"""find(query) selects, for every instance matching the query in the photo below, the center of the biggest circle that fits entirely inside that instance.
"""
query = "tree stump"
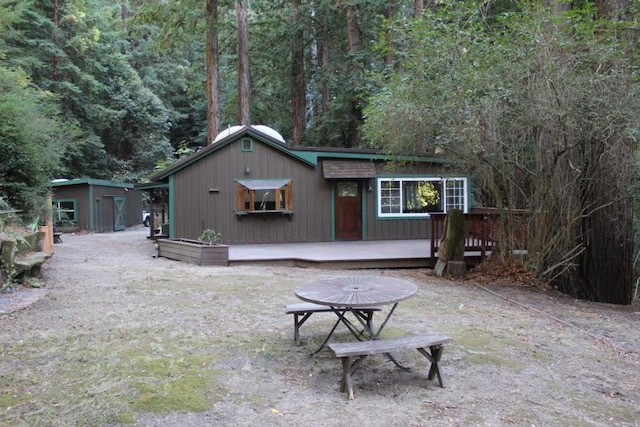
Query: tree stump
(451, 249)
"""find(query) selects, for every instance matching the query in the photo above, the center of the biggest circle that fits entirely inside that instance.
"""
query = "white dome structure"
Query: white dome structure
(269, 131)
(266, 130)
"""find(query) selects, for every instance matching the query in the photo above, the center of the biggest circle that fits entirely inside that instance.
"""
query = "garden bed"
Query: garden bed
(193, 251)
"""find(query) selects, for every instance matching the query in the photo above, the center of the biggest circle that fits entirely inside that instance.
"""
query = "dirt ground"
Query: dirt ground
(117, 337)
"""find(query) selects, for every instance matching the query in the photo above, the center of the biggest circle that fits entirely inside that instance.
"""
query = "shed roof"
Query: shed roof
(90, 181)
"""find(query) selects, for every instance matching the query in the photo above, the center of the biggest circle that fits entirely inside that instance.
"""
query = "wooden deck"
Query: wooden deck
(482, 228)
(415, 253)
(343, 254)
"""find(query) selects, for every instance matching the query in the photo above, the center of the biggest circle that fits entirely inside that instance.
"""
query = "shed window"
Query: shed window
(65, 211)
(264, 195)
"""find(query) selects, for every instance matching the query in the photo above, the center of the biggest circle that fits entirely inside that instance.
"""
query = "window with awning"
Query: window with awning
(264, 195)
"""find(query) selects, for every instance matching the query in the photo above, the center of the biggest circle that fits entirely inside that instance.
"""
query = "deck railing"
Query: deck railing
(482, 229)
(476, 234)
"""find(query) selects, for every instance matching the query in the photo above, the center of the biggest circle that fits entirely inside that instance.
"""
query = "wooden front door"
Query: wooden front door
(348, 210)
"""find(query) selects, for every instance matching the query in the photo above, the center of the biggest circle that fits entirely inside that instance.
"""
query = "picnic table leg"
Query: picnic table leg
(367, 322)
(326, 340)
(340, 312)
(384, 323)
(365, 317)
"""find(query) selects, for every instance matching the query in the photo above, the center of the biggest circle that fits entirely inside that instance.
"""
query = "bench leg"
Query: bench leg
(349, 367)
(434, 358)
(297, 322)
(346, 384)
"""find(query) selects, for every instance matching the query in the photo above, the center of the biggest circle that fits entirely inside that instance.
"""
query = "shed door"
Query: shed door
(120, 213)
(348, 210)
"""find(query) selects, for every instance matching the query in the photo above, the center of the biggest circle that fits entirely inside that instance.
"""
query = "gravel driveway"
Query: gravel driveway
(119, 337)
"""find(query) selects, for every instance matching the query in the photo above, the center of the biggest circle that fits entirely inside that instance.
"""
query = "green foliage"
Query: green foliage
(29, 134)
(210, 237)
(540, 107)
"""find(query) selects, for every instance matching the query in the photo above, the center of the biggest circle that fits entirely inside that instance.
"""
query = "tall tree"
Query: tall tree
(352, 135)
(298, 76)
(244, 87)
(213, 89)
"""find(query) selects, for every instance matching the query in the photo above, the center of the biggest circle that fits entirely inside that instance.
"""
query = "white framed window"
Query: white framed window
(65, 211)
(419, 197)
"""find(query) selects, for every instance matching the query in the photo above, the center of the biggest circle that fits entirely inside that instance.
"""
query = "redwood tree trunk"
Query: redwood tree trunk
(54, 61)
(213, 95)
(352, 138)
(244, 91)
(419, 9)
(324, 54)
(353, 29)
(299, 105)
(388, 15)
(611, 9)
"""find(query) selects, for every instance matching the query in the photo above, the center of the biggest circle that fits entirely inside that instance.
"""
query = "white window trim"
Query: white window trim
(58, 211)
(381, 180)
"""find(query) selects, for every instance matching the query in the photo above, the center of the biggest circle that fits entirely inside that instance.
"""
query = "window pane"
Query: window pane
(257, 196)
(455, 194)
(389, 197)
(421, 196)
(67, 206)
(65, 210)
(265, 200)
(431, 194)
(347, 189)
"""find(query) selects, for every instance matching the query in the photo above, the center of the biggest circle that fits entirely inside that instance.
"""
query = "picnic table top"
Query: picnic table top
(356, 291)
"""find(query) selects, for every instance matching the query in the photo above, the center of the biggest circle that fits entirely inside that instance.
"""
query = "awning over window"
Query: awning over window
(348, 169)
(264, 184)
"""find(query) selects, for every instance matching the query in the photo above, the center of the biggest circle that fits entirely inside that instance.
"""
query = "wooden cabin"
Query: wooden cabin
(95, 205)
(252, 187)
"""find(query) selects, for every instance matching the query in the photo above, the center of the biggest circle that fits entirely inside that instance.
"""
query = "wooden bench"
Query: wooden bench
(29, 263)
(430, 346)
(302, 311)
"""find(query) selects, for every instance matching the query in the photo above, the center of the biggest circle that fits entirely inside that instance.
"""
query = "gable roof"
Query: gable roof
(308, 155)
(252, 131)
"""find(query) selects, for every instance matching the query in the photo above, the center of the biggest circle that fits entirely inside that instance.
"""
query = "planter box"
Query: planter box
(193, 251)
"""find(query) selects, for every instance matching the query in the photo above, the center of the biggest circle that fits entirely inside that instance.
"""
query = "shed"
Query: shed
(95, 205)
(254, 188)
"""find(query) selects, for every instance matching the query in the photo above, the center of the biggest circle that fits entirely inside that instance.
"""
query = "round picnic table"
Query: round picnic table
(356, 295)
(356, 291)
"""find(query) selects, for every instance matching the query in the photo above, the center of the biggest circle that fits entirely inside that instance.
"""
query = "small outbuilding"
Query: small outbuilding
(95, 205)
(252, 187)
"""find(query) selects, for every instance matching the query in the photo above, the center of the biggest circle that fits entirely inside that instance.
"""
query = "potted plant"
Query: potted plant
(210, 237)
(207, 250)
